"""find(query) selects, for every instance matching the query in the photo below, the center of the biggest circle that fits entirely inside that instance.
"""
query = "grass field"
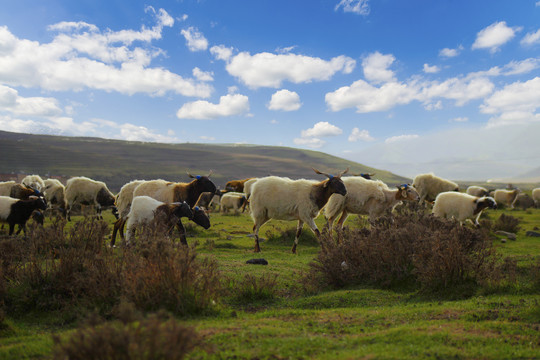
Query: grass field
(264, 313)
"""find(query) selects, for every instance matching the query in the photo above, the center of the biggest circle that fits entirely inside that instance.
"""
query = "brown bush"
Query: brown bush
(150, 338)
(421, 250)
(507, 223)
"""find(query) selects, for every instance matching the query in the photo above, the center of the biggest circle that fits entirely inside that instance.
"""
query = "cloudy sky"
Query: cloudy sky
(449, 86)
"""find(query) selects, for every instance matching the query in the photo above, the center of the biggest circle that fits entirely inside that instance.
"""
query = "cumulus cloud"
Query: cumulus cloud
(221, 52)
(12, 102)
(310, 142)
(521, 67)
(195, 40)
(460, 119)
(494, 36)
(202, 75)
(431, 69)
(285, 100)
(449, 53)
(360, 7)
(400, 138)
(358, 134)
(530, 39)
(323, 128)
(515, 103)
(270, 70)
(229, 105)
(376, 67)
(81, 56)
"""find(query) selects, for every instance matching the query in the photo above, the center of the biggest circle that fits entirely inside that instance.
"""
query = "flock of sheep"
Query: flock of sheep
(270, 197)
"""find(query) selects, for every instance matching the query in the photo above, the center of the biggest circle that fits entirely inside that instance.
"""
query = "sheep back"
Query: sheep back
(84, 190)
(34, 181)
(506, 197)
(477, 191)
(454, 204)
(5, 187)
(429, 186)
(125, 197)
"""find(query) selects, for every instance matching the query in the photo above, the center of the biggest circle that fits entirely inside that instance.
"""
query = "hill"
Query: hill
(117, 162)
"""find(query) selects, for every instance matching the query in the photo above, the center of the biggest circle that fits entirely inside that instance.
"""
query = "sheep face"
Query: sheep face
(485, 202)
(407, 192)
(203, 184)
(200, 218)
(335, 186)
(104, 198)
(182, 209)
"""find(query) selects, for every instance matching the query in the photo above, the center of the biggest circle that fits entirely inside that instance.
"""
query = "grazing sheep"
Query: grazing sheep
(123, 205)
(285, 199)
(461, 206)
(429, 186)
(23, 192)
(170, 192)
(34, 182)
(236, 185)
(85, 191)
(144, 209)
(478, 191)
(232, 200)
(524, 201)
(55, 194)
(17, 212)
(506, 197)
(536, 197)
(367, 197)
(5, 187)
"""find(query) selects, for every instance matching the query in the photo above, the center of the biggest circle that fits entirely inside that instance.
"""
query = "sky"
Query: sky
(450, 86)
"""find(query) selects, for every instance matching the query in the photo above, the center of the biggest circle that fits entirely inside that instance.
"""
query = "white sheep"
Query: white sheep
(232, 200)
(145, 209)
(85, 191)
(477, 191)
(536, 197)
(17, 212)
(247, 190)
(285, 199)
(55, 194)
(506, 197)
(5, 187)
(429, 186)
(461, 206)
(34, 181)
(366, 197)
(123, 205)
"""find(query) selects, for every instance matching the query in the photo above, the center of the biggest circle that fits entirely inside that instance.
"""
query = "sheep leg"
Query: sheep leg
(12, 228)
(298, 233)
(118, 225)
(182, 231)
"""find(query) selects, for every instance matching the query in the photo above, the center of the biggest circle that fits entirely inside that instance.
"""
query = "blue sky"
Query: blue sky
(450, 87)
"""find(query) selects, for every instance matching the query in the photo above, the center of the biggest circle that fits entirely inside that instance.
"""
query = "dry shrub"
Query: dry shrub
(421, 250)
(507, 223)
(150, 338)
(55, 269)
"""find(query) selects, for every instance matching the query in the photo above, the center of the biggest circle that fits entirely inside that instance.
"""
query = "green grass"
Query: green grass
(355, 322)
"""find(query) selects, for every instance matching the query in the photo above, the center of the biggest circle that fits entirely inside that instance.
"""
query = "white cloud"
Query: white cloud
(538, 3)
(494, 36)
(532, 38)
(207, 138)
(310, 142)
(521, 67)
(270, 70)
(360, 7)
(431, 69)
(81, 56)
(322, 128)
(460, 119)
(195, 40)
(449, 53)
(11, 102)
(221, 52)
(285, 100)
(358, 134)
(229, 105)
(376, 67)
(203, 75)
(400, 138)
(515, 103)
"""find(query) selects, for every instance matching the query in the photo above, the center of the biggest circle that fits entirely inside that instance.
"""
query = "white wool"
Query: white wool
(506, 197)
(5, 206)
(125, 197)
(5, 187)
(429, 186)
(477, 191)
(232, 200)
(536, 197)
(34, 181)
(456, 205)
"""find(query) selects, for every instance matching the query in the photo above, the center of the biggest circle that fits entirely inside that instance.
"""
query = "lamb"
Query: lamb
(34, 182)
(5, 187)
(367, 197)
(478, 191)
(85, 191)
(232, 200)
(506, 197)
(429, 186)
(536, 197)
(461, 206)
(123, 205)
(285, 199)
(55, 194)
(144, 209)
(17, 212)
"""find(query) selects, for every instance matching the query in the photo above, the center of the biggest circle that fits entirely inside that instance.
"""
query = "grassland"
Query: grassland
(280, 321)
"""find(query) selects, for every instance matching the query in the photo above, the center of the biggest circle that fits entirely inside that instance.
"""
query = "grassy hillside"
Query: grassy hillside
(117, 162)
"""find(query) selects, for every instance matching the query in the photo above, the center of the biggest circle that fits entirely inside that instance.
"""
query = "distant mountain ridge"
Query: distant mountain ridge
(116, 161)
